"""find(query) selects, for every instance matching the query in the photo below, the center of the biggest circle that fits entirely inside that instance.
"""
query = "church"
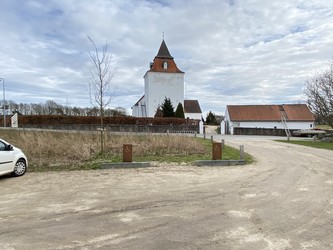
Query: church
(164, 80)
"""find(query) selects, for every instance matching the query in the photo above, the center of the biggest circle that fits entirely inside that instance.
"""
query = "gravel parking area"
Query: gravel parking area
(283, 201)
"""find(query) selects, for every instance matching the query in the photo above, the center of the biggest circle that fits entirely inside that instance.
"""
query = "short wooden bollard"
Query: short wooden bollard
(217, 151)
(127, 153)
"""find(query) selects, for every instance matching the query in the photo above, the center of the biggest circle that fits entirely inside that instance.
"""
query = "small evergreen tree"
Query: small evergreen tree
(167, 108)
(211, 119)
(179, 111)
(159, 112)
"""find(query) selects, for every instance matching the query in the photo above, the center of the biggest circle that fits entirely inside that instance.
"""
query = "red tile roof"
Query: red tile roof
(158, 66)
(292, 112)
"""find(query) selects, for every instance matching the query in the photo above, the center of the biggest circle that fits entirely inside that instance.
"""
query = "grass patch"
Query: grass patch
(228, 153)
(324, 127)
(316, 144)
(52, 151)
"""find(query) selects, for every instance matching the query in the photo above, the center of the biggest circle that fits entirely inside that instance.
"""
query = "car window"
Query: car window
(2, 146)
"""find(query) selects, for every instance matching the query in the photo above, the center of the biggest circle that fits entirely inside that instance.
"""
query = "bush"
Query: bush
(72, 120)
(211, 119)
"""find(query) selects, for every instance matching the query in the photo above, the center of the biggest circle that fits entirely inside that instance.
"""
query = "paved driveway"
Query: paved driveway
(284, 201)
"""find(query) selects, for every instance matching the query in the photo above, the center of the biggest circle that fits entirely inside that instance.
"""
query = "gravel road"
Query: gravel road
(283, 201)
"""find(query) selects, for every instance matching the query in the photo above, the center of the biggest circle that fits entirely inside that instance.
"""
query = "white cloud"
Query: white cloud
(232, 51)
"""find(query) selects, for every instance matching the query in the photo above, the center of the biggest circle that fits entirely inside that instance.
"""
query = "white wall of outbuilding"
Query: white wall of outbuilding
(292, 125)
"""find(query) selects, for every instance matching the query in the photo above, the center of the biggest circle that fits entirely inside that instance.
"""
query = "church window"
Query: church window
(165, 65)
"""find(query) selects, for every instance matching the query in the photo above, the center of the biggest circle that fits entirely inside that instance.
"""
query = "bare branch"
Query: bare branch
(101, 86)
(319, 93)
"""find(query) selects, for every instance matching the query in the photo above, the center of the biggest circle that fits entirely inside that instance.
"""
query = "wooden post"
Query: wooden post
(127, 153)
(216, 151)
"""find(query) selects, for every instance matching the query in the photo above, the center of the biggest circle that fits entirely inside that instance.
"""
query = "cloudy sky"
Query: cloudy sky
(232, 51)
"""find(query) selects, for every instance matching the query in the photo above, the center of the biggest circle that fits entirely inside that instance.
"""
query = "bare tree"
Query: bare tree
(53, 108)
(319, 93)
(101, 85)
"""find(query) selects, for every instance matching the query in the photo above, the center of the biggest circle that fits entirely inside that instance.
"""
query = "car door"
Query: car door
(6, 159)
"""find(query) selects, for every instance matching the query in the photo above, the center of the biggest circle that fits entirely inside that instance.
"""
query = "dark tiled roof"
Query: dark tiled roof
(137, 103)
(192, 106)
(164, 52)
(292, 112)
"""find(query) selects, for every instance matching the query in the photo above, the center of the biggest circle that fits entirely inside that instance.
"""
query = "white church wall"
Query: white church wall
(135, 112)
(139, 110)
(194, 116)
(159, 85)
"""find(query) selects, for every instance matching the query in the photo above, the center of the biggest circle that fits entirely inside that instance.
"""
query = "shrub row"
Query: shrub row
(124, 120)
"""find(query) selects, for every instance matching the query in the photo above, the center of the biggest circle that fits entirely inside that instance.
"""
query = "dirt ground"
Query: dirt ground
(283, 201)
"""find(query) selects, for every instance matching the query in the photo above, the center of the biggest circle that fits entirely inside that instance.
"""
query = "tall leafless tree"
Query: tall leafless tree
(101, 85)
(319, 94)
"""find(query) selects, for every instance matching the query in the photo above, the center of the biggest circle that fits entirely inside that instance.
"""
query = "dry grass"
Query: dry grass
(144, 145)
(324, 127)
(46, 149)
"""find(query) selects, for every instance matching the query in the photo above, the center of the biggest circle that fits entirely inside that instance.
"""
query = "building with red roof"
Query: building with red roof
(278, 117)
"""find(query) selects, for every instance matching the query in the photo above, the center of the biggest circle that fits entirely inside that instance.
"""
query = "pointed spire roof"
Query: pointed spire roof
(163, 61)
(164, 52)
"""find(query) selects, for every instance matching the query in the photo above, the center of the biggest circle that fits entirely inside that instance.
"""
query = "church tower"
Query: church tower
(163, 79)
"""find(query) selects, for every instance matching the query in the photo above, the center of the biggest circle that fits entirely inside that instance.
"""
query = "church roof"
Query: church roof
(137, 103)
(163, 61)
(192, 106)
(163, 52)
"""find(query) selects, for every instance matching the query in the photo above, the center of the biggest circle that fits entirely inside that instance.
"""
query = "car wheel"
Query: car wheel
(20, 168)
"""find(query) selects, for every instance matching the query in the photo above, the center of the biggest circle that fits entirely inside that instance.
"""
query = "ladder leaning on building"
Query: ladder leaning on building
(285, 126)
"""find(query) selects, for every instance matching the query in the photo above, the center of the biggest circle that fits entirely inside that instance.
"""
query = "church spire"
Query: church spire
(164, 52)
(163, 61)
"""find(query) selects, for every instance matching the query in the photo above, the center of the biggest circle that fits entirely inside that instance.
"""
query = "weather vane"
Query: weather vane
(163, 35)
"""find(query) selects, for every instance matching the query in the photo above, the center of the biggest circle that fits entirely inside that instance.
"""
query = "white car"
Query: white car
(12, 160)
